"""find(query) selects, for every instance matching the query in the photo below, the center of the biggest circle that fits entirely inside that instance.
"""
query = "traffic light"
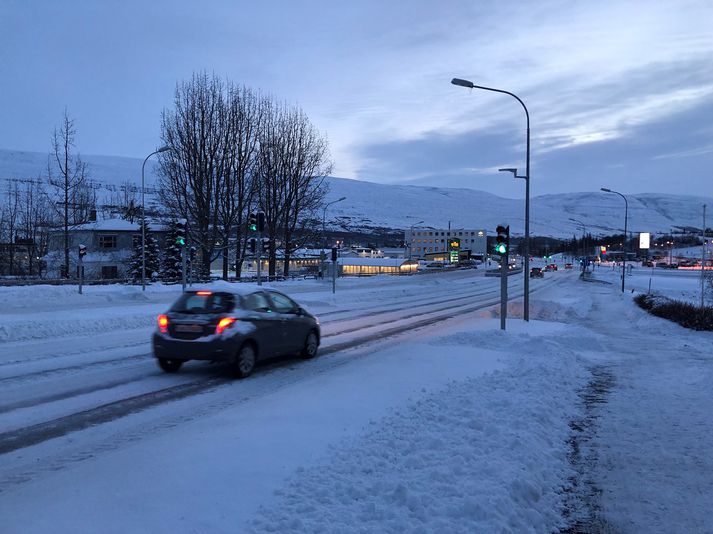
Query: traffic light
(502, 240)
(252, 222)
(260, 221)
(266, 245)
(181, 232)
(252, 245)
(192, 254)
(334, 253)
(82, 251)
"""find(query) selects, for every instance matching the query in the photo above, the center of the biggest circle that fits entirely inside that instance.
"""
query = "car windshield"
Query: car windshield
(203, 302)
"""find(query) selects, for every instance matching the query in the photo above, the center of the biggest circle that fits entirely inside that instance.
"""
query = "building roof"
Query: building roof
(116, 225)
(377, 262)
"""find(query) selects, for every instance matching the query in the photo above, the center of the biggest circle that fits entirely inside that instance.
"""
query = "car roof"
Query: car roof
(236, 288)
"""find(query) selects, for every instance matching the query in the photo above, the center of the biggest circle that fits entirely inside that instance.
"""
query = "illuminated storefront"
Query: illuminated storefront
(374, 266)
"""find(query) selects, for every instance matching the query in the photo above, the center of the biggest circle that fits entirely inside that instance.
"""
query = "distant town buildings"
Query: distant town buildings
(426, 242)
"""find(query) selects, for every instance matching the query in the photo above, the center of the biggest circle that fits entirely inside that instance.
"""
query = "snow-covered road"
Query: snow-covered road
(454, 426)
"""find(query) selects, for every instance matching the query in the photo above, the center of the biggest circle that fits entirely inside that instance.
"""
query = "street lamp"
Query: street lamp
(324, 213)
(470, 85)
(143, 218)
(626, 218)
(585, 255)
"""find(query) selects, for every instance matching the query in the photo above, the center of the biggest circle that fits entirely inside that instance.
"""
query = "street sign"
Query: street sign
(644, 240)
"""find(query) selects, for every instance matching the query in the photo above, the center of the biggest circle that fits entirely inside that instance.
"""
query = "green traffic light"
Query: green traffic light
(252, 227)
(180, 241)
(501, 248)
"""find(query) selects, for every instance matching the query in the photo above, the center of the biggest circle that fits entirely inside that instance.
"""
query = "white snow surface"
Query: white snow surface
(457, 427)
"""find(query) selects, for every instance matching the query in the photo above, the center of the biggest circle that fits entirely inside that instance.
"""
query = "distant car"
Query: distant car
(536, 272)
(568, 266)
(238, 327)
(551, 267)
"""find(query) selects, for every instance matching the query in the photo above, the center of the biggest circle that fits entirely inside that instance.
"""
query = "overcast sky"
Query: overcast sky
(620, 93)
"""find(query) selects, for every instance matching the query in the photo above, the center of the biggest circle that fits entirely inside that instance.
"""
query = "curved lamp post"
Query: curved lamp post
(410, 244)
(324, 213)
(143, 218)
(471, 85)
(626, 217)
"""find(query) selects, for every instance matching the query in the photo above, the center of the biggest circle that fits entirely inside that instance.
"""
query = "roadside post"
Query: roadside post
(502, 246)
(334, 269)
(80, 266)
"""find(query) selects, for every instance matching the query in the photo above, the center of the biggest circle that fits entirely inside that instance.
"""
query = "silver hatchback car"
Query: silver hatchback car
(239, 326)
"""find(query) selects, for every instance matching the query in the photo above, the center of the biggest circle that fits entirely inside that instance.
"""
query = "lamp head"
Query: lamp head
(462, 83)
(343, 198)
(509, 169)
(164, 148)
(606, 190)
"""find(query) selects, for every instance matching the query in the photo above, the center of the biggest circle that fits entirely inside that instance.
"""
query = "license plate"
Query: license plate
(189, 328)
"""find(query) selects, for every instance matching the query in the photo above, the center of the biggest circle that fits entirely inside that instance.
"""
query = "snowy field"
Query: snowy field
(679, 284)
(594, 414)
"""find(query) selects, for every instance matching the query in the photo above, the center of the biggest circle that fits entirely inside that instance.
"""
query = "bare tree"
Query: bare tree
(294, 159)
(191, 173)
(306, 167)
(232, 150)
(11, 215)
(271, 177)
(35, 221)
(244, 113)
(67, 174)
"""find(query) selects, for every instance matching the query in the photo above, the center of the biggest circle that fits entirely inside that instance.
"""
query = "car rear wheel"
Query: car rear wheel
(244, 363)
(169, 365)
(310, 348)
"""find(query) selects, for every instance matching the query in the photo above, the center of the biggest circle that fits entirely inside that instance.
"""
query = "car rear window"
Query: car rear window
(204, 302)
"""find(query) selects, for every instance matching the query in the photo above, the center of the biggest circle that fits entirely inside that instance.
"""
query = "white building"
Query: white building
(425, 240)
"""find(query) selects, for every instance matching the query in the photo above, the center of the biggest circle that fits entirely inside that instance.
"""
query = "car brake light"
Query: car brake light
(163, 323)
(224, 323)
(204, 293)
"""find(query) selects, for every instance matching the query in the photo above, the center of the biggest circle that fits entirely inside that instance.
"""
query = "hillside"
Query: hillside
(371, 205)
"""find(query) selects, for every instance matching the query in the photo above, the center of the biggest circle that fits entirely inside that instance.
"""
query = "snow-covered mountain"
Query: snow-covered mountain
(370, 205)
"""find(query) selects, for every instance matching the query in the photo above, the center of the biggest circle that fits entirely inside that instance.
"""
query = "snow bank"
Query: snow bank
(487, 454)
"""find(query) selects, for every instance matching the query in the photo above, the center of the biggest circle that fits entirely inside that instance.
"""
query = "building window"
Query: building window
(107, 241)
(110, 272)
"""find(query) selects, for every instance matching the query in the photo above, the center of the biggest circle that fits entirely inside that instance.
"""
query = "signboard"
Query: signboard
(644, 240)
(454, 248)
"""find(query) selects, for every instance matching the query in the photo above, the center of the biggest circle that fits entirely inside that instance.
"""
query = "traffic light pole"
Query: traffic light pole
(183, 267)
(258, 248)
(503, 290)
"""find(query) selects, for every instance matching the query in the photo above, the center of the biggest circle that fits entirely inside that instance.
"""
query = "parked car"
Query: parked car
(239, 326)
(536, 272)
(568, 266)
